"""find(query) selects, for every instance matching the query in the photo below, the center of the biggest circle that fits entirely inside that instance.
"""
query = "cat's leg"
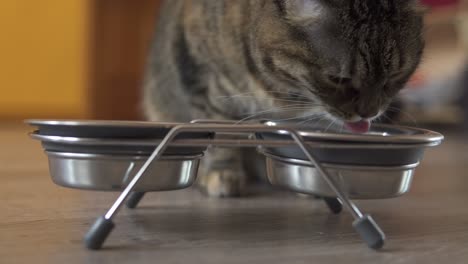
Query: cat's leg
(222, 173)
(254, 165)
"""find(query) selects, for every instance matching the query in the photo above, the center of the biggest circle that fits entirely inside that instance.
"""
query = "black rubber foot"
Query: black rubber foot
(98, 233)
(370, 232)
(133, 199)
(333, 204)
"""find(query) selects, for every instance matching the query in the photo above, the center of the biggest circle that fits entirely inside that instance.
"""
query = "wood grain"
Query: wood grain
(43, 223)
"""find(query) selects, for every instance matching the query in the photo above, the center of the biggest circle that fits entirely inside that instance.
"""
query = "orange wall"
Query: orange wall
(43, 58)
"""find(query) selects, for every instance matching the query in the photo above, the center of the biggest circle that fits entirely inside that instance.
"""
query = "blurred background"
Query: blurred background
(84, 59)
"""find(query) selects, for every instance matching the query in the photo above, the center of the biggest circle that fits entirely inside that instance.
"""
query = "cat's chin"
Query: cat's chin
(361, 126)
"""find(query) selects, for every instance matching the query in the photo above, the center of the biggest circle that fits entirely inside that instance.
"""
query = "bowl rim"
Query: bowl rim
(422, 136)
(94, 156)
(408, 135)
(103, 142)
(100, 123)
(85, 141)
(306, 163)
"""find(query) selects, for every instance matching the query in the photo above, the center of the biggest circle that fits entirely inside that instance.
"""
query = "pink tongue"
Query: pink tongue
(358, 127)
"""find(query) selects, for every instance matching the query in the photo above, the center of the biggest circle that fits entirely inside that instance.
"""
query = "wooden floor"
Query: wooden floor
(43, 223)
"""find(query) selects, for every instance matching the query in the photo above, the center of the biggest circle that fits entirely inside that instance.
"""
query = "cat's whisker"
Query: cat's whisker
(312, 118)
(307, 106)
(295, 106)
(320, 119)
(330, 125)
(400, 111)
(253, 97)
(386, 117)
(273, 99)
(273, 110)
(292, 118)
(255, 94)
(317, 120)
(277, 92)
(287, 93)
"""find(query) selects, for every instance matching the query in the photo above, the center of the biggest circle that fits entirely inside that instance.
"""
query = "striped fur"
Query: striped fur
(228, 59)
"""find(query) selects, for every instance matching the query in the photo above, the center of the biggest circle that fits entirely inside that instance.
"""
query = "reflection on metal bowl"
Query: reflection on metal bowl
(114, 172)
(384, 145)
(358, 182)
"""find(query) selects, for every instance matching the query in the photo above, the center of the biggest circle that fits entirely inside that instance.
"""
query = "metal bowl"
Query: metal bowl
(114, 172)
(358, 182)
(378, 133)
(383, 146)
(114, 129)
(110, 146)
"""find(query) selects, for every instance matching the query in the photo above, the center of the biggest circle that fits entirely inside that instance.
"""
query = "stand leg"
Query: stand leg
(333, 204)
(98, 233)
(363, 224)
(369, 231)
(366, 227)
(133, 199)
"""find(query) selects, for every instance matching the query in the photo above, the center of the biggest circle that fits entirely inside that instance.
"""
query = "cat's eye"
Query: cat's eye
(338, 80)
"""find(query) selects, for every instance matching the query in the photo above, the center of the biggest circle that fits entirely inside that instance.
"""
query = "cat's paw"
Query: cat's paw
(223, 183)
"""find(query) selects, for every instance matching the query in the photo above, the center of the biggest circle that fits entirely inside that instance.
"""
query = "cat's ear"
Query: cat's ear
(305, 9)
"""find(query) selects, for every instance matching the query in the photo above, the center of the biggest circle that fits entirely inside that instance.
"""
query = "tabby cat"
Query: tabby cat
(343, 60)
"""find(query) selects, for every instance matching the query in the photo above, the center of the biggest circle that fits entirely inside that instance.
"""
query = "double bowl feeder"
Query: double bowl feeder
(139, 157)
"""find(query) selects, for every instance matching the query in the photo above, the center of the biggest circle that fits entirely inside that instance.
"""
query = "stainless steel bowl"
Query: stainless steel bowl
(113, 172)
(358, 182)
(384, 145)
(378, 133)
(110, 146)
(114, 129)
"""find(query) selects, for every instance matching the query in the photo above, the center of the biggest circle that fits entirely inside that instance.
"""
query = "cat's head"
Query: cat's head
(350, 56)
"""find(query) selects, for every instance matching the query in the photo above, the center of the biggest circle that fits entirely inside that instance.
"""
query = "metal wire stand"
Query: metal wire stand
(364, 225)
